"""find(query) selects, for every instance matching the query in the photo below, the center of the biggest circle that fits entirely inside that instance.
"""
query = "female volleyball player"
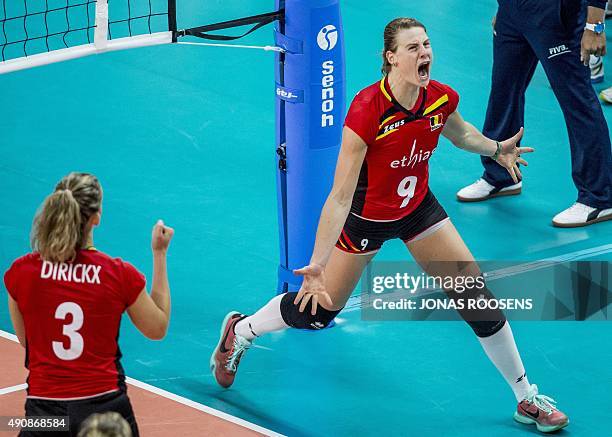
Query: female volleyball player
(381, 192)
(66, 300)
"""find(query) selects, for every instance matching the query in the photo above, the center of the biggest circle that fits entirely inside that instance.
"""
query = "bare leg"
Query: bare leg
(342, 275)
(447, 245)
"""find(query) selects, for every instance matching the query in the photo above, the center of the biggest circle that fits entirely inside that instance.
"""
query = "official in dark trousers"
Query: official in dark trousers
(561, 34)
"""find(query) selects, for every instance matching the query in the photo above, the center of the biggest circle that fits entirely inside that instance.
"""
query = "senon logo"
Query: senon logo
(327, 93)
(327, 37)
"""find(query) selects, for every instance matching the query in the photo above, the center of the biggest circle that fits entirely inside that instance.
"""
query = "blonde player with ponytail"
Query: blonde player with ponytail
(66, 300)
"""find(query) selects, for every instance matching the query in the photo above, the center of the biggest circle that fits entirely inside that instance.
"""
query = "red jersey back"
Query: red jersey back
(395, 173)
(72, 313)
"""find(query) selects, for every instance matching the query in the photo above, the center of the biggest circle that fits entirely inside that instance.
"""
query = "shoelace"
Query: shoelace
(239, 346)
(544, 403)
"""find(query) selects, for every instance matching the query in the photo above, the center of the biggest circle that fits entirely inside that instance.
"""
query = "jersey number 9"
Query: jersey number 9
(406, 189)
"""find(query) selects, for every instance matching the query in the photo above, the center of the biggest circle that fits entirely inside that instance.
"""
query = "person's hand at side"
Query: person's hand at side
(593, 43)
(313, 287)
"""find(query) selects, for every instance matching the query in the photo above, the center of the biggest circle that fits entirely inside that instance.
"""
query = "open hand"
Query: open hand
(313, 288)
(510, 155)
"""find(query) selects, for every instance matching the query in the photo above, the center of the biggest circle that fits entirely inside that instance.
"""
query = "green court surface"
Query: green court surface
(186, 134)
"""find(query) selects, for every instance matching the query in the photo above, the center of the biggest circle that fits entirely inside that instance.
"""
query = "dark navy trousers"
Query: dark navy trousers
(549, 31)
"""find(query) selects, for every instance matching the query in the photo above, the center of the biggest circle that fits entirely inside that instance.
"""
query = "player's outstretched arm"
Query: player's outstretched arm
(333, 216)
(507, 153)
(151, 314)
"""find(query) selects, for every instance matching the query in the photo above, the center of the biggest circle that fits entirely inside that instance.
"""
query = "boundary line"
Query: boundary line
(7, 390)
(201, 407)
(166, 394)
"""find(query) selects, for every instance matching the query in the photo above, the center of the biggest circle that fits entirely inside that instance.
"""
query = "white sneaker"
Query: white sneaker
(597, 69)
(606, 95)
(482, 190)
(580, 214)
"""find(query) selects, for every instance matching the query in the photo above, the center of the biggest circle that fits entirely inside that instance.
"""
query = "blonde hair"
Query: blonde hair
(390, 37)
(60, 225)
(109, 424)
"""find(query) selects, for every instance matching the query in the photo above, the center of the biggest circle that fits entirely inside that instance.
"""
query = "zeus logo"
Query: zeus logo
(327, 93)
(393, 126)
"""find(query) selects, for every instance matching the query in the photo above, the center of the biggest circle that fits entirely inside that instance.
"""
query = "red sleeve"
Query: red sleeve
(10, 280)
(453, 100)
(359, 119)
(133, 282)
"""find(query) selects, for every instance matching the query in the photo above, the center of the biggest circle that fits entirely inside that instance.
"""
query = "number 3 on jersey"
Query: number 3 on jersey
(406, 189)
(75, 348)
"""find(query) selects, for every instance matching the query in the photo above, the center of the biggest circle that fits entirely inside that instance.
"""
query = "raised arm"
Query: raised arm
(151, 314)
(465, 136)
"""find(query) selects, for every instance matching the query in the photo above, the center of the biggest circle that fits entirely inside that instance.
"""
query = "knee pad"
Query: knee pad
(304, 320)
(485, 322)
(487, 328)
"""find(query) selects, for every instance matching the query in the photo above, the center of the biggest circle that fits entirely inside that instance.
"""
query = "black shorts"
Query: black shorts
(362, 236)
(78, 411)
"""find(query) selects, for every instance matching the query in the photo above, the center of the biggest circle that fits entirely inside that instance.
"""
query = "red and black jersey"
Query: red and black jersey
(394, 176)
(71, 312)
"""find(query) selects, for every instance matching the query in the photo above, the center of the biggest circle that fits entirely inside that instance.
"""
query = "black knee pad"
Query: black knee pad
(304, 320)
(484, 322)
(487, 328)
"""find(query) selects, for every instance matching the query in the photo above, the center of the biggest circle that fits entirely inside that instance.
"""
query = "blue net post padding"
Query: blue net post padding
(310, 106)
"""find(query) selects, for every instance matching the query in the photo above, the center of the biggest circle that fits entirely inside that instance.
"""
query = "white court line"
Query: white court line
(7, 390)
(167, 395)
(201, 407)
(354, 302)
(9, 336)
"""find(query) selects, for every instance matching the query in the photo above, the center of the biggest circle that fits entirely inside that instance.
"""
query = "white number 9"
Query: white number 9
(406, 189)
(364, 243)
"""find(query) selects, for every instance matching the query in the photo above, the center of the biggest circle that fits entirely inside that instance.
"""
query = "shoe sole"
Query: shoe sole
(212, 357)
(604, 99)
(542, 428)
(579, 225)
(490, 196)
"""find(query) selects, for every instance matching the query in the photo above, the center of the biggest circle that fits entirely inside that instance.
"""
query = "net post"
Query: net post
(310, 107)
(101, 32)
(172, 27)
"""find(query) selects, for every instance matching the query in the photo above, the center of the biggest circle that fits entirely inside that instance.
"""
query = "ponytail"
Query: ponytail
(60, 225)
(57, 227)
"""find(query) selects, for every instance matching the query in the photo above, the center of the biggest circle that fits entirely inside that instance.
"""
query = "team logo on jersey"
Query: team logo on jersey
(436, 121)
(390, 128)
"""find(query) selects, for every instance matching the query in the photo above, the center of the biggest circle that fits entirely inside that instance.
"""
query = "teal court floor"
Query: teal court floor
(186, 134)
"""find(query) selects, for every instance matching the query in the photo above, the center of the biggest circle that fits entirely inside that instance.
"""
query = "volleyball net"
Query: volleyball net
(40, 32)
(308, 79)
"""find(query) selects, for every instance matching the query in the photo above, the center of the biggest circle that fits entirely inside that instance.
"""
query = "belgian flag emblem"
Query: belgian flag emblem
(436, 121)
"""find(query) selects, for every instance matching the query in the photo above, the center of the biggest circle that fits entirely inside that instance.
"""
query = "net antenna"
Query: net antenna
(45, 33)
